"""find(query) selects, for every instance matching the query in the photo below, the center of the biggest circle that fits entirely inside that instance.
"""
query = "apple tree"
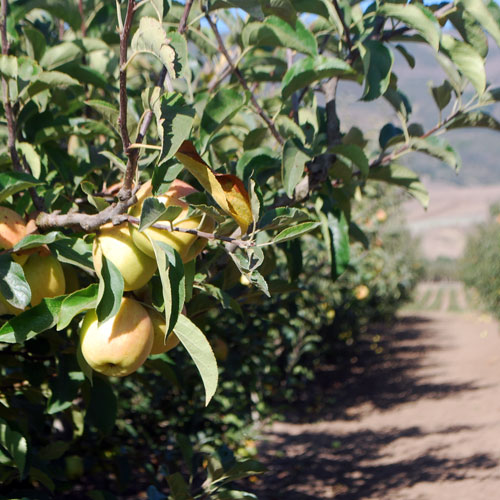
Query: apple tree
(177, 176)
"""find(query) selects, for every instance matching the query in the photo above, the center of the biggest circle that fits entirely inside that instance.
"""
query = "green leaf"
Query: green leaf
(467, 60)
(377, 65)
(173, 282)
(196, 344)
(404, 52)
(276, 32)
(438, 148)
(107, 110)
(336, 233)
(470, 30)
(37, 240)
(219, 110)
(317, 7)
(292, 165)
(252, 8)
(152, 38)
(103, 406)
(308, 70)
(179, 489)
(49, 80)
(76, 303)
(403, 177)
(181, 62)
(60, 54)
(474, 119)
(8, 66)
(14, 182)
(115, 160)
(110, 291)
(479, 11)
(352, 154)
(153, 209)
(282, 216)
(13, 286)
(442, 94)
(64, 387)
(31, 322)
(415, 16)
(175, 118)
(295, 231)
(74, 251)
(399, 101)
(32, 158)
(15, 444)
(281, 8)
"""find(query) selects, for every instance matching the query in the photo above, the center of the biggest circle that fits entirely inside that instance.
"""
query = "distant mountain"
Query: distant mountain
(479, 148)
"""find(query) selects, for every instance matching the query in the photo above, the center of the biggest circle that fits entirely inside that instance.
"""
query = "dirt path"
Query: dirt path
(421, 421)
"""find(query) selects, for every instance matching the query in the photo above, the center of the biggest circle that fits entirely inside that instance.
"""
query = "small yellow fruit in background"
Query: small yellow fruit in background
(121, 344)
(12, 231)
(221, 351)
(361, 292)
(381, 215)
(160, 330)
(187, 245)
(244, 280)
(116, 244)
(45, 276)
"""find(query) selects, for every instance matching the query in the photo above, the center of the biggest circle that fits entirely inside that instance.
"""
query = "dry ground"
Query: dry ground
(421, 421)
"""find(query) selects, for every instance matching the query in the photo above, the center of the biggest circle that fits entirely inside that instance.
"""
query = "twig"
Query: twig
(243, 82)
(185, 15)
(82, 15)
(209, 236)
(347, 33)
(128, 180)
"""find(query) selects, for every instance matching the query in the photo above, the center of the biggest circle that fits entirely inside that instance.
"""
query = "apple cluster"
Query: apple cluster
(122, 343)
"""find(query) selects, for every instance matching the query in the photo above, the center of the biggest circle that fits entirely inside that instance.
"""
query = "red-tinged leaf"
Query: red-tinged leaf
(227, 190)
(238, 200)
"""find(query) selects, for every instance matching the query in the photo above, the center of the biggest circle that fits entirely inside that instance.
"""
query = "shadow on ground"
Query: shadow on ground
(335, 467)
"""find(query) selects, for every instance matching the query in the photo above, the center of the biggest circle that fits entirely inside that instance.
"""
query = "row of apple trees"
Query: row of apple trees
(190, 158)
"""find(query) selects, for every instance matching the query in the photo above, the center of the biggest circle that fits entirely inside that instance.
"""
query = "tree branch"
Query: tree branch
(132, 156)
(82, 15)
(347, 33)
(185, 15)
(201, 234)
(243, 82)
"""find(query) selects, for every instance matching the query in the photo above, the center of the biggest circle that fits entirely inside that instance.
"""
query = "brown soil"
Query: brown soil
(420, 421)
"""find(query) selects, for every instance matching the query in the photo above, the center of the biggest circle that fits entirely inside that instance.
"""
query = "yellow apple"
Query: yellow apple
(220, 349)
(361, 292)
(160, 345)
(45, 276)
(121, 344)
(12, 230)
(187, 245)
(6, 308)
(116, 244)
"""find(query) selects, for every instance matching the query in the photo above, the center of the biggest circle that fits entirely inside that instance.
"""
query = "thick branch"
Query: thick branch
(185, 15)
(243, 82)
(89, 223)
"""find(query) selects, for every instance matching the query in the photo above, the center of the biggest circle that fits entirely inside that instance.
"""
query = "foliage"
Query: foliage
(478, 266)
(239, 100)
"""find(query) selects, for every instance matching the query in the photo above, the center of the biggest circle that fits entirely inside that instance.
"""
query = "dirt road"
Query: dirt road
(420, 421)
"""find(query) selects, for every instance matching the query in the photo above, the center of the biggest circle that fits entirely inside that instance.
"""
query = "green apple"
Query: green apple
(116, 244)
(45, 276)
(119, 345)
